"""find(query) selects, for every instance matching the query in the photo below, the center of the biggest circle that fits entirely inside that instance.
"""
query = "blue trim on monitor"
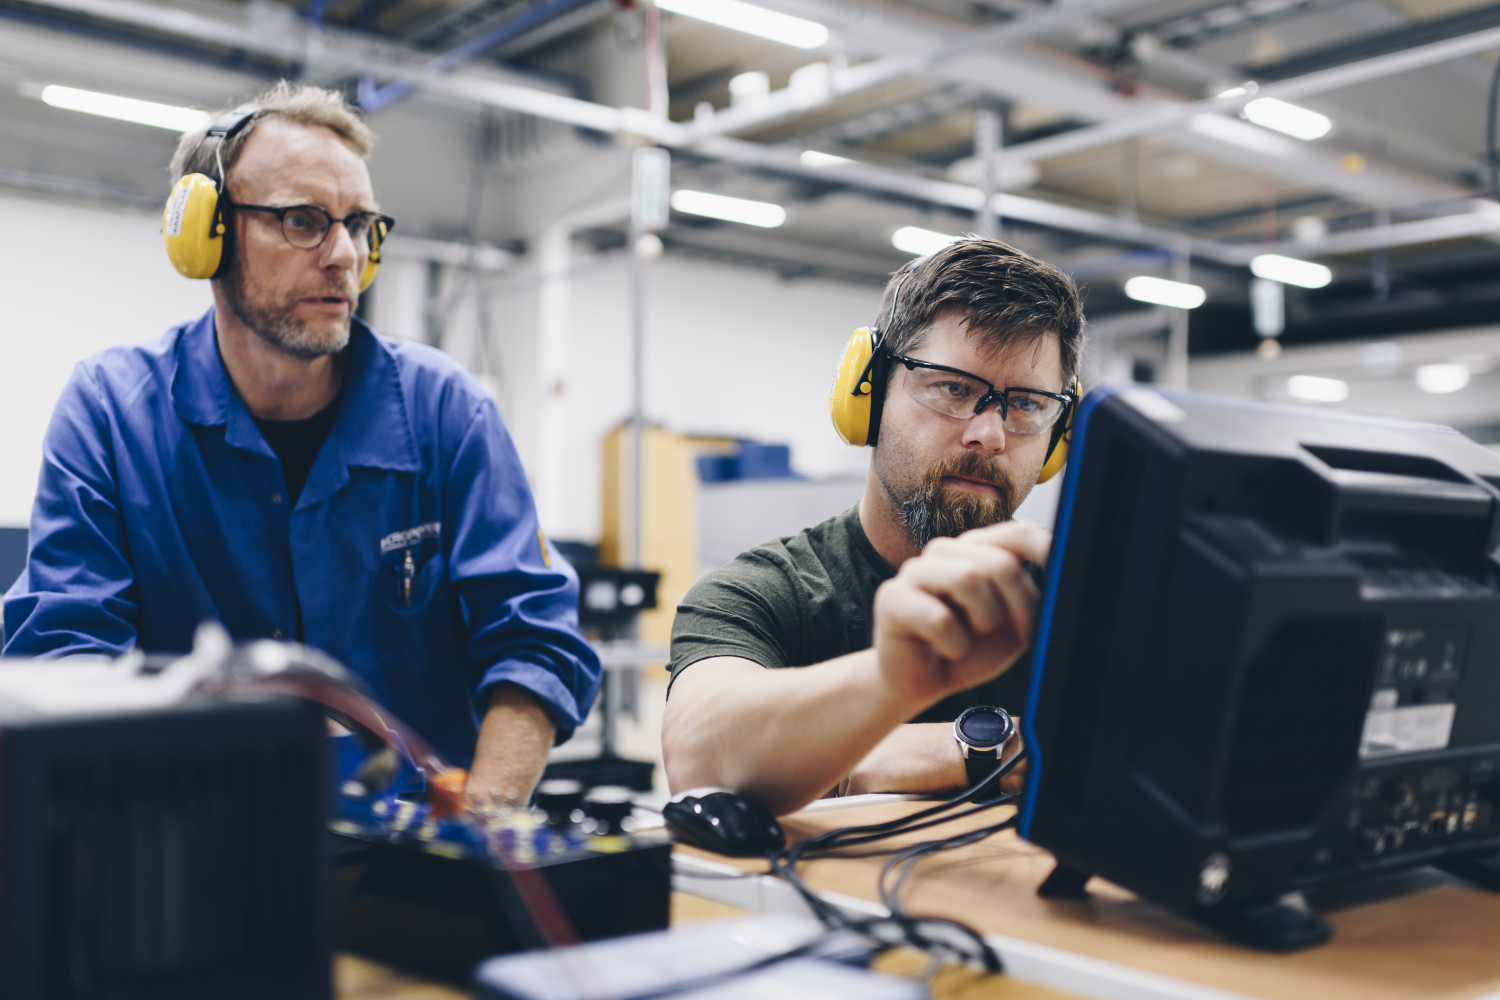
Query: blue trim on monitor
(1044, 629)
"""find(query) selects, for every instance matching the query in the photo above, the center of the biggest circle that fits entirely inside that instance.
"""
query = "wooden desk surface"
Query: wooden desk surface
(1419, 935)
(357, 978)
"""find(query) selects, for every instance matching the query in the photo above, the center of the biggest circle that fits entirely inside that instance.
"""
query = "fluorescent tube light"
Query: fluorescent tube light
(915, 239)
(752, 20)
(1290, 270)
(126, 109)
(813, 158)
(1317, 389)
(1297, 122)
(720, 206)
(1161, 292)
(1236, 132)
(1442, 379)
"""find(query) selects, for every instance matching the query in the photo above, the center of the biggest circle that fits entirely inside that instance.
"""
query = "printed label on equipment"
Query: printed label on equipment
(174, 211)
(1154, 405)
(1412, 729)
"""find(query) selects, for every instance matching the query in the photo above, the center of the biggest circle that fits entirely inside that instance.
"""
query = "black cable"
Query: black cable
(834, 852)
(1492, 156)
(915, 930)
(877, 831)
(906, 860)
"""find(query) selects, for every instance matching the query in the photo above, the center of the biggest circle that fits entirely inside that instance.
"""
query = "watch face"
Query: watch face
(984, 728)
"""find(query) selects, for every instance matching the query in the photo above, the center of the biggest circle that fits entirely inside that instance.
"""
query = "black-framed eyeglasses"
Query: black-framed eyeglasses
(307, 226)
(956, 393)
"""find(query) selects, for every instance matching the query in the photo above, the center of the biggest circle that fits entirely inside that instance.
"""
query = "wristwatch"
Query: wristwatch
(981, 733)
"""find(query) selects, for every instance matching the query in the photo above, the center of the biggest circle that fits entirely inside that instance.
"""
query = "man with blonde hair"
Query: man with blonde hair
(277, 467)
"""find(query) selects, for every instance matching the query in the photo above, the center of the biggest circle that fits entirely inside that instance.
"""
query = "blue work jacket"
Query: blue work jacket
(413, 554)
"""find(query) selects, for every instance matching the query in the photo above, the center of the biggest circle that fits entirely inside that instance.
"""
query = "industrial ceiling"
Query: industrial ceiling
(1114, 137)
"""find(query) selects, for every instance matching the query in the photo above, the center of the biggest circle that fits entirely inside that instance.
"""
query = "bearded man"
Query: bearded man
(277, 467)
(909, 609)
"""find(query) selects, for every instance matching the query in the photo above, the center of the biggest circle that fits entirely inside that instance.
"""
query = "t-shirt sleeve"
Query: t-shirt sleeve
(747, 609)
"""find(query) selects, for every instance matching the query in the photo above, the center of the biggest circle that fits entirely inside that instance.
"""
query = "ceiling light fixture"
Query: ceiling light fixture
(1297, 122)
(127, 109)
(752, 20)
(1290, 270)
(813, 158)
(1317, 389)
(1441, 379)
(915, 239)
(720, 206)
(1161, 292)
(1236, 132)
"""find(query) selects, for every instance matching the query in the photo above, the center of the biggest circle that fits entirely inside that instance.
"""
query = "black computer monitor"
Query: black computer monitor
(1268, 658)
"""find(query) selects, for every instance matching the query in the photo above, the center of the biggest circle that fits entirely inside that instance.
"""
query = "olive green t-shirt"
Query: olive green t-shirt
(805, 599)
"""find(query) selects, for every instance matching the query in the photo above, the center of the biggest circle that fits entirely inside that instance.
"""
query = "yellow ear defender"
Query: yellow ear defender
(372, 262)
(856, 391)
(859, 392)
(193, 224)
(1062, 436)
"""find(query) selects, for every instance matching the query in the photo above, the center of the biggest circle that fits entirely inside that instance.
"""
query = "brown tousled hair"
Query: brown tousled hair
(1007, 296)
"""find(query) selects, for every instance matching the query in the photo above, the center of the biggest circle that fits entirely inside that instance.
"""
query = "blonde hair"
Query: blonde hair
(301, 103)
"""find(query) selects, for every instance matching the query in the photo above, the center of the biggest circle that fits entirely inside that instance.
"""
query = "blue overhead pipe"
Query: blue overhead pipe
(373, 98)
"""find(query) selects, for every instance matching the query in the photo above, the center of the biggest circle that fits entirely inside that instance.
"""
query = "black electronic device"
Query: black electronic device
(1268, 658)
(610, 598)
(159, 843)
(721, 821)
(437, 894)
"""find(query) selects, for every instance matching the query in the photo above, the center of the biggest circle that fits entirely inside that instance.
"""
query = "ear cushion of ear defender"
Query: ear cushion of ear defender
(192, 229)
(854, 401)
(1057, 453)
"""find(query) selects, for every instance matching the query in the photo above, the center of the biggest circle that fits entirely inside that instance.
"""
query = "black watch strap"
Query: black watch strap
(981, 732)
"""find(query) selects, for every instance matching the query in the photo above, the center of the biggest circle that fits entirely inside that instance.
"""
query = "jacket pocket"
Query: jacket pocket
(412, 615)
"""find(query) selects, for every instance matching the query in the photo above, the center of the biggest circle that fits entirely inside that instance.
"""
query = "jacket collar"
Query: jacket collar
(374, 427)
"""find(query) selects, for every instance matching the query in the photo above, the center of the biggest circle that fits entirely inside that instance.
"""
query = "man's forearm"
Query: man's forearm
(514, 740)
(920, 757)
(782, 737)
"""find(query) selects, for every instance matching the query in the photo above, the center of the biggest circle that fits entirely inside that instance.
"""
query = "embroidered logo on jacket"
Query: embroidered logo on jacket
(411, 536)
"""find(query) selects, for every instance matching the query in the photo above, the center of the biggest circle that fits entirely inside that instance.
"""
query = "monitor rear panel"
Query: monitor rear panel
(1270, 650)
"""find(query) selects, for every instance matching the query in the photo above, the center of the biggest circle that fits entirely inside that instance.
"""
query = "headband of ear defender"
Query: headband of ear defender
(193, 224)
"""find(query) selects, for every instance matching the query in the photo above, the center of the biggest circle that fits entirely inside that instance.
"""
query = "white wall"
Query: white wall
(73, 281)
(728, 351)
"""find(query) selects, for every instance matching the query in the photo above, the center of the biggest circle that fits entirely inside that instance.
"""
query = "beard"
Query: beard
(934, 510)
(279, 325)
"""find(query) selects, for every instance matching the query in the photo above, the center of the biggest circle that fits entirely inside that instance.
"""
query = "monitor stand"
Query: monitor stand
(1268, 924)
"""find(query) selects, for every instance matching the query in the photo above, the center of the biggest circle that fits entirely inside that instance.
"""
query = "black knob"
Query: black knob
(608, 806)
(559, 798)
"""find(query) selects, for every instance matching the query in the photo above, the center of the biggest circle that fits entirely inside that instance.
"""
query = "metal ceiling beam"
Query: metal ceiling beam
(373, 98)
(1483, 221)
(1032, 77)
(1172, 116)
(964, 197)
(470, 88)
(344, 55)
(945, 44)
